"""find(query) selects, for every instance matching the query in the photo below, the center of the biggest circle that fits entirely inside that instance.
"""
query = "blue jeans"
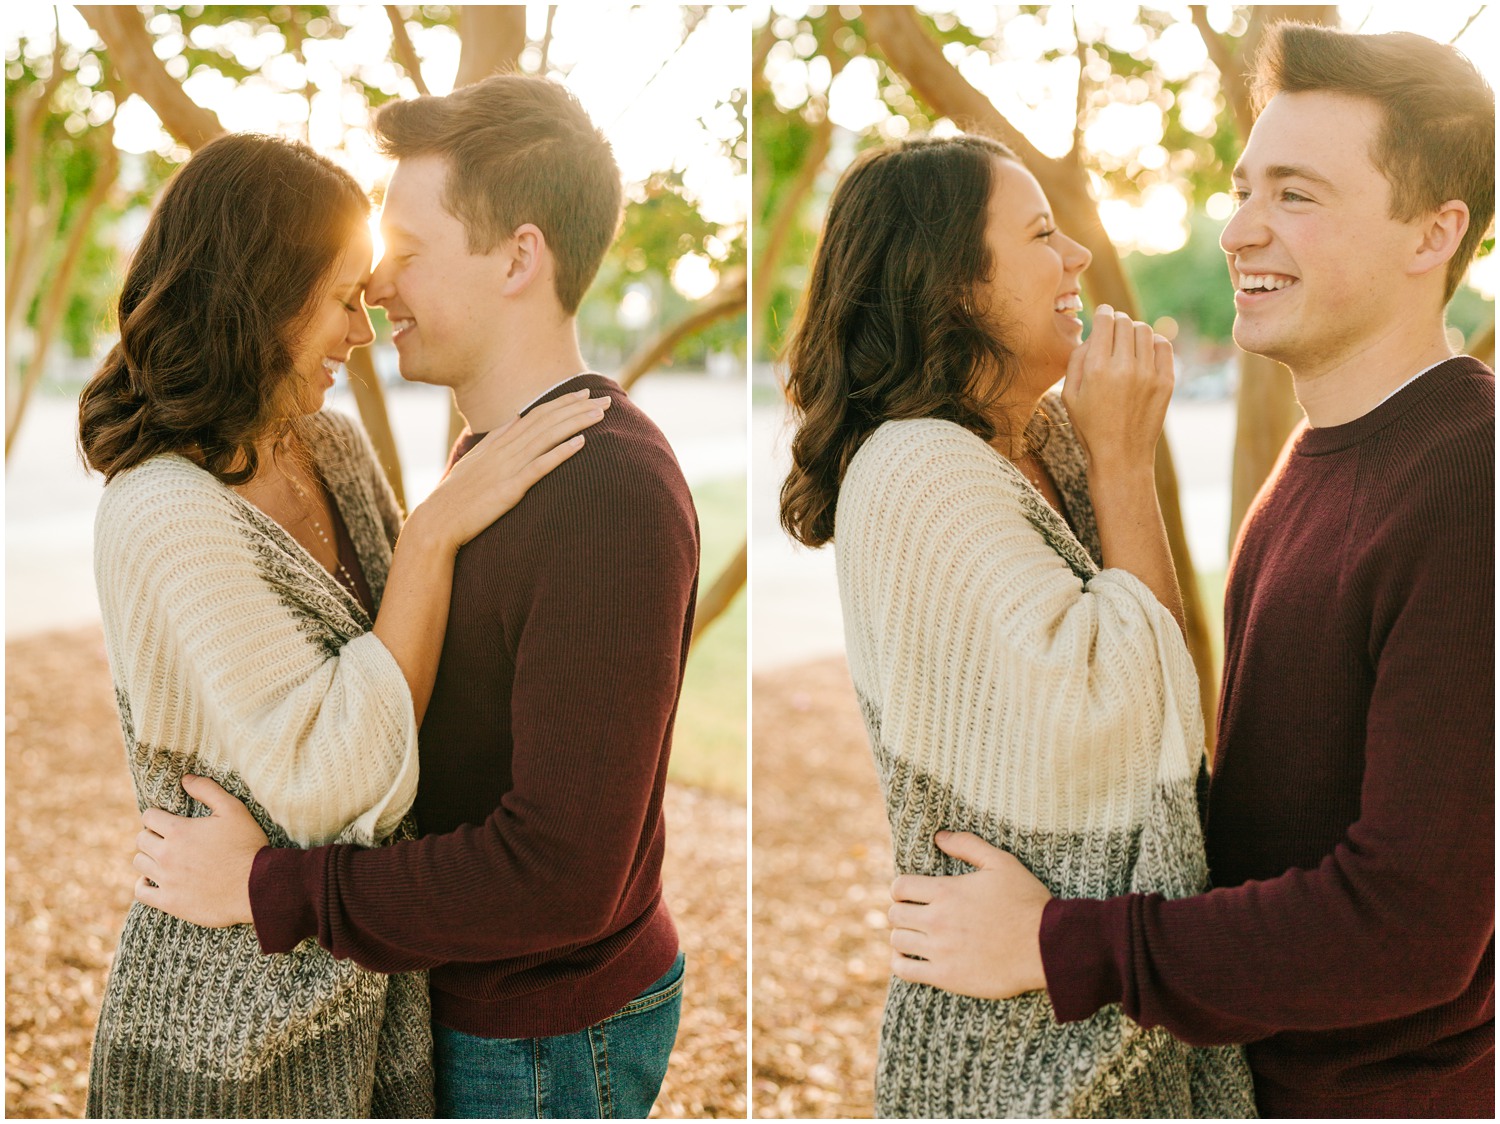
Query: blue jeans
(611, 1069)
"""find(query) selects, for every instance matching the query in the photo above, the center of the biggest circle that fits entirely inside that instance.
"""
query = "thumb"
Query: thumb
(967, 847)
(1073, 381)
(208, 792)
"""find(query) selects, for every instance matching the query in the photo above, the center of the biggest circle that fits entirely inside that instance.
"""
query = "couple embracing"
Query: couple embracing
(278, 637)
(1014, 627)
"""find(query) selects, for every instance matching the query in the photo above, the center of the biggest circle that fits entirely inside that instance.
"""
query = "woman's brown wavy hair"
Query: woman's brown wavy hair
(242, 241)
(889, 325)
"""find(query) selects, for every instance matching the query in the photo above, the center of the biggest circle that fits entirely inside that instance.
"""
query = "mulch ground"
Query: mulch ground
(822, 871)
(70, 824)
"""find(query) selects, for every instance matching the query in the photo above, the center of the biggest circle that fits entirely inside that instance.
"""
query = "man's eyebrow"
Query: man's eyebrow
(390, 229)
(1287, 172)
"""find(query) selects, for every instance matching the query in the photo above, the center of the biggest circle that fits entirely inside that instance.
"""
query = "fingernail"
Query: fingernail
(942, 834)
(584, 393)
(1103, 310)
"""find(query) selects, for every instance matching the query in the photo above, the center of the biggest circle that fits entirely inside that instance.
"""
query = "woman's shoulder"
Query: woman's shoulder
(916, 445)
(164, 480)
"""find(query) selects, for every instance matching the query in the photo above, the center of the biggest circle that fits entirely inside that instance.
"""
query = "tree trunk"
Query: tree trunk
(787, 212)
(493, 39)
(914, 54)
(370, 398)
(1481, 344)
(1266, 412)
(56, 300)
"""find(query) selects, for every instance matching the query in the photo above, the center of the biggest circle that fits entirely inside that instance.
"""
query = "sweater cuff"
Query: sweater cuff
(1078, 957)
(282, 893)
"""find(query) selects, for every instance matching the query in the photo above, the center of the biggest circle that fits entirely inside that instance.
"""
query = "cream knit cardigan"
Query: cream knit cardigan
(236, 656)
(1013, 689)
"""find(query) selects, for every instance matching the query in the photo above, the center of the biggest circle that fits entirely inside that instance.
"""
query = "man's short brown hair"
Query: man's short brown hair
(520, 150)
(1437, 139)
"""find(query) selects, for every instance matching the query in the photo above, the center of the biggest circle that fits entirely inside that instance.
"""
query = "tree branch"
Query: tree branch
(547, 38)
(720, 595)
(788, 209)
(61, 288)
(765, 39)
(132, 51)
(493, 39)
(20, 172)
(1232, 79)
(406, 54)
(908, 48)
(1081, 101)
(728, 299)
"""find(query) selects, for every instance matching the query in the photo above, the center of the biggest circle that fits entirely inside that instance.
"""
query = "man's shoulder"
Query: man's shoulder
(625, 483)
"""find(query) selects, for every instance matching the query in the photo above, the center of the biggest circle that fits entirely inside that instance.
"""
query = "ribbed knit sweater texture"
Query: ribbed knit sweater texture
(236, 656)
(535, 894)
(1351, 816)
(1012, 688)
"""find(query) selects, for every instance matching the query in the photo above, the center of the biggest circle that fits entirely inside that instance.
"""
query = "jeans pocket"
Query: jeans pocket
(665, 989)
(633, 1046)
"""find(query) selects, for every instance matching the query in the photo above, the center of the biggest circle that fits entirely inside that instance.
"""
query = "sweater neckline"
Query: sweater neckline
(1333, 438)
(467, 440)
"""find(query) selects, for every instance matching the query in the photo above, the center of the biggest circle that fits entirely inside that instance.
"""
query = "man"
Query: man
(1350, 823)
(535, 898)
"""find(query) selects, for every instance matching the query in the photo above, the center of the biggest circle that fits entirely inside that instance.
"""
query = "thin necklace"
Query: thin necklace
(344, 577)
(1034, 476)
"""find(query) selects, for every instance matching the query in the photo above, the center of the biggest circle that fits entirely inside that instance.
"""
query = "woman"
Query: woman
(1008, 599)
(261, 630)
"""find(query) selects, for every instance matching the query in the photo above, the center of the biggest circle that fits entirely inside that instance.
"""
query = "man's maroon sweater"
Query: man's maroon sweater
(534, 895)
(1350, 823)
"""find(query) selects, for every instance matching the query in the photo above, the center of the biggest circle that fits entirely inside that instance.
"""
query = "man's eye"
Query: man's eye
(1239, 196)
(1047, 233)
(1295, 197)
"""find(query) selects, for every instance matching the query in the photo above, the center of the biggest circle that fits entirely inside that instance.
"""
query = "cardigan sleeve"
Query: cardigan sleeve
(947, 567)
(222, 655)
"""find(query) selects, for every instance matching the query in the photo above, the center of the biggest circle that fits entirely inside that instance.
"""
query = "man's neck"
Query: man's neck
(517, 374)
(1354, 384)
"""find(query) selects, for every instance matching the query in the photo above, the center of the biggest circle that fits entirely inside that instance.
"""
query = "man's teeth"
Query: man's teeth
(1070, 303)
(1264, 281)
(402, 325)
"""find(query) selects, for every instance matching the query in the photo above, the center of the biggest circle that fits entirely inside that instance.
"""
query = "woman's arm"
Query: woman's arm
(1117, 389)
(480, 488)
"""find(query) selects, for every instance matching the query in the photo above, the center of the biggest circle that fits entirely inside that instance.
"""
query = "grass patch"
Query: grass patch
(1211, 590)
(708, 745)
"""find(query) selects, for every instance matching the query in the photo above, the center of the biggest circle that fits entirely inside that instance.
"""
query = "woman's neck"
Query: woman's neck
(1010, 418)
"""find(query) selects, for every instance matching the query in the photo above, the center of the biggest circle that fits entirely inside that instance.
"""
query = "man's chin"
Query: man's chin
(1258, 341)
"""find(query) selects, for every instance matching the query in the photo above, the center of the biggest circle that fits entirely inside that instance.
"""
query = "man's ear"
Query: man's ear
(530, 259)
(1440, 232)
